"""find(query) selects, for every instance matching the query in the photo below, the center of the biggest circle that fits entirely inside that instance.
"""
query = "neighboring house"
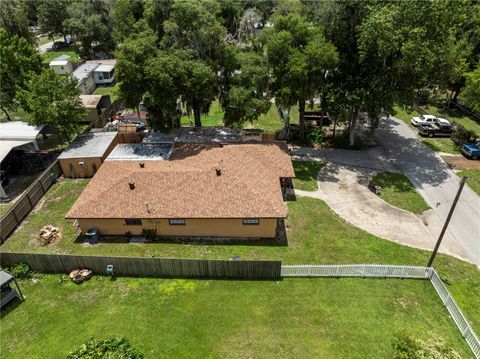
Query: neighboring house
(104, 74)
(86, 154)
(61, 65)
(84, 75)
(188, 189)
(94, 105)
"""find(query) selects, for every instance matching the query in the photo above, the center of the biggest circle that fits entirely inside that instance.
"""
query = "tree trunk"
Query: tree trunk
(65, 37)
(196, 114)
(301, 119)
(6, 113)
(334, 127)
(351, 130)
(138, 112)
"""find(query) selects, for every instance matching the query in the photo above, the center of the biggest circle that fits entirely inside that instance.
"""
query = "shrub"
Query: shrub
(315, 135)
(461, 135)
(110, 348)
(149, 233)
(128, 234)
(20, 271)
(409, 347)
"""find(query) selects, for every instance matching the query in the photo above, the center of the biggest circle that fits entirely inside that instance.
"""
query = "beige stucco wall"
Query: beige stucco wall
(87, 170)
(193, 227)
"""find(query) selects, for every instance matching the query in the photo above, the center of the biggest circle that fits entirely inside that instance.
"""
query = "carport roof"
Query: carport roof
(89, 145)
(19, 131)
(7, 146)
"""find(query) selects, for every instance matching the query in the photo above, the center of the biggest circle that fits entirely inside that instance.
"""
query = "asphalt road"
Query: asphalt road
(45, 47)
(435, 182)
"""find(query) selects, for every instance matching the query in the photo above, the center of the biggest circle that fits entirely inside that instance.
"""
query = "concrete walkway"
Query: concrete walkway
(344, 189)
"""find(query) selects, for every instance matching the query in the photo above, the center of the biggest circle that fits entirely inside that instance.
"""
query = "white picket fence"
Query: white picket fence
(392, 271)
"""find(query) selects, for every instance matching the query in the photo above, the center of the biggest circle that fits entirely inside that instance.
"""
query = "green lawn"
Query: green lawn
(306, 173)
(439, 144)
(168, 318)
(398, 191)
(45, 40)
(213, 118)
(72, 51)
(113, 91)
(315, 235)
(18, 115)
(473, 179)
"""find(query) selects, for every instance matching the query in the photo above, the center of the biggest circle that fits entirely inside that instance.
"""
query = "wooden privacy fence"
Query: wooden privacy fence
(146, 267)
(392, 271)
(27, 201)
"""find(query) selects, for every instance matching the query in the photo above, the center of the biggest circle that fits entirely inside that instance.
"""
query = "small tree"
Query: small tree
(54, 100)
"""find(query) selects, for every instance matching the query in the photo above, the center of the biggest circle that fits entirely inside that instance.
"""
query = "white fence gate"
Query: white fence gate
(392, 271)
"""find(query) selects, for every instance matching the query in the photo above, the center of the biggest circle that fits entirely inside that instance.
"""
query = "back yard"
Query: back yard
(315, 236)
(165, 318)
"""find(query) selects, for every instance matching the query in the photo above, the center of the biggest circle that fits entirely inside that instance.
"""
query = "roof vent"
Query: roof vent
(218, 171)
(132, 185)
(142, 165)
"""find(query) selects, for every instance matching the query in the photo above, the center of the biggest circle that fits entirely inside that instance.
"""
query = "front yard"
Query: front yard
(167, 318)
(398, 191)
(306, 173)
(315, 235)
(473, 179)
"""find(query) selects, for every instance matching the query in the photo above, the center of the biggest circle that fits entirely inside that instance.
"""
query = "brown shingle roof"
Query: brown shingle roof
(187, 186)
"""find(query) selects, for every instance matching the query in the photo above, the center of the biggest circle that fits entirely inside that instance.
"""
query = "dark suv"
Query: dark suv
(435, 129)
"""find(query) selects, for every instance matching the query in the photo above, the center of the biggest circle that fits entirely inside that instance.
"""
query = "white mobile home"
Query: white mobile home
(61, 65)
(85, 78)
(104, 74)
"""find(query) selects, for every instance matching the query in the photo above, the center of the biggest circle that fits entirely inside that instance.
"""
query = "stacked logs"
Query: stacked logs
(80, 275)
(48, 234)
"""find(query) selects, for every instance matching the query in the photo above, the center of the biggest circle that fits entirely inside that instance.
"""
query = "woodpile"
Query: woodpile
(80, 275)
(48, 234)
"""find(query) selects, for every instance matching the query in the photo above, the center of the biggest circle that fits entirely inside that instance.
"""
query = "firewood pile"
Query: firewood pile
(80, 275)
(48, 234)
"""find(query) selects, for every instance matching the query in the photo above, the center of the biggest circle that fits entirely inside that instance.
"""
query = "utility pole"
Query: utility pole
(454, 204)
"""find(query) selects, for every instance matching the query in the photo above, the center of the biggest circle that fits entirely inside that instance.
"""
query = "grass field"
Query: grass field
(473, 179)
(113, 91)
(306, 173)
(439, 144)
(315, 235)
(165, 318)
(72, 51)
(398, 191)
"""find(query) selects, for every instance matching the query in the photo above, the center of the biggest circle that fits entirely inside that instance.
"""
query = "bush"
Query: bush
(111, 348)
(409, 347)
(149, 233)
(20, 271)
(128, 234)
(315, 135)
(461, 135)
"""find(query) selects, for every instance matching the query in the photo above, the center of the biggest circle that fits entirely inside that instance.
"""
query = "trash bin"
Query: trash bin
(93, 236)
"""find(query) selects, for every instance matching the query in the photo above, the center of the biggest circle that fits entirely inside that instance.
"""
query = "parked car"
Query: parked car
(70, 40)
(471, 150)
(437, 128)
(57, 45)
(426, 119)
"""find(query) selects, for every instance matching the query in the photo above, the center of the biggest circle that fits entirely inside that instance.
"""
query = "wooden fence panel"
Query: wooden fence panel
(27, 201)
(147, 267)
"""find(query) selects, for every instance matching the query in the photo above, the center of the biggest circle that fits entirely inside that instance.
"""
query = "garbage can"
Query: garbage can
(93, 236)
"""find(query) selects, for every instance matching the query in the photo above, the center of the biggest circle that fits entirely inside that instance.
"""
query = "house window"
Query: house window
(177, 222)
(106, 75)
(133, 222)
(251, 221)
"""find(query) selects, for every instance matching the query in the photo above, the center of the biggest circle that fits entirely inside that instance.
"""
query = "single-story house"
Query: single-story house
(86, 154)
(61, 65)
(191, 190)
(84, 75)
(94, 105)
(104, 74)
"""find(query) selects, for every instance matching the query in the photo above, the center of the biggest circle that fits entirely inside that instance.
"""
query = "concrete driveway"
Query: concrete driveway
(435, 182)
(344, 189)
(45, 47)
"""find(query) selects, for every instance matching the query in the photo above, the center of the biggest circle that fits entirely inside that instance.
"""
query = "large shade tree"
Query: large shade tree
(51, 14)
(19, 61)
(300, 59)
(54, 100)
(14, 20)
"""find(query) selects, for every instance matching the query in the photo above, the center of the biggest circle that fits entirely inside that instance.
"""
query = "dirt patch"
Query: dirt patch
(405, 303)
(461, 163)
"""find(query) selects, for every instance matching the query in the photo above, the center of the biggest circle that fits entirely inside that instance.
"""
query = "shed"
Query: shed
(94, 105)
(8, 293)
(104, 74)
(84, 75)
(20, 131)
(86, 154)
(61, 65)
